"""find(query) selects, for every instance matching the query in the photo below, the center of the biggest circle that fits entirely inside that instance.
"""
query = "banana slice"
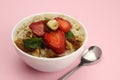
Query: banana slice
(52, 24)
(69, 45)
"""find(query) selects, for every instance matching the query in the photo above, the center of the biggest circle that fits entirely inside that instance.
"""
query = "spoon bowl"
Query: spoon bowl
(91, 55)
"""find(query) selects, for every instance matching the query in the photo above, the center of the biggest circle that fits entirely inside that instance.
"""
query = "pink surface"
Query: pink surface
(101, 18)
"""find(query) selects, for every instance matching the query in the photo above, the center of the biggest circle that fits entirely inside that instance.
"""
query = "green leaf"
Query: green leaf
(32, 42)
(69, 35)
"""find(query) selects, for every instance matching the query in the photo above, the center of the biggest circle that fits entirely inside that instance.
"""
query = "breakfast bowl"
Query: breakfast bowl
(49, 42)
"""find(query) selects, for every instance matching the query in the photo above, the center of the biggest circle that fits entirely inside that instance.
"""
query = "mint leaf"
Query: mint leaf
(69, 35)
(32, 42)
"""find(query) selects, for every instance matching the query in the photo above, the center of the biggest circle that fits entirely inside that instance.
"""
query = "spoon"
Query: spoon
(90, 56)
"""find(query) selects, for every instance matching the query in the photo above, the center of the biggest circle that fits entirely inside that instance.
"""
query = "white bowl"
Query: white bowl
(47, 64)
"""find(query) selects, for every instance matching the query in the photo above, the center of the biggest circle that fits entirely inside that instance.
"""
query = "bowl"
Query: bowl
(42, 63)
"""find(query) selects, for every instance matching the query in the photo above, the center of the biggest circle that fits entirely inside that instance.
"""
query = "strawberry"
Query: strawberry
(56, 41)
(37, 28)
(63, 24)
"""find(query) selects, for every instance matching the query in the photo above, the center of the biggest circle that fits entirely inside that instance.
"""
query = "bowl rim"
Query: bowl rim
(44, 58)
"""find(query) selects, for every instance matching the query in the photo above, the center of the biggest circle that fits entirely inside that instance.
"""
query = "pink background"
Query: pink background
(102, 21)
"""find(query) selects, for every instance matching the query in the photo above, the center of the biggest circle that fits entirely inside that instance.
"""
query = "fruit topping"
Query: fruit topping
(52, 24)
(38, 28)
(63, 24)
(56, 41)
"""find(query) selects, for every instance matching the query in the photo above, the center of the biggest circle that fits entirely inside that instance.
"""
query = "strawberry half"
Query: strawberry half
(37, 28)
(56, 41)
(63, 24)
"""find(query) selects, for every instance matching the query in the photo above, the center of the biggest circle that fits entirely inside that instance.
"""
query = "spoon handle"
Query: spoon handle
(68, 74)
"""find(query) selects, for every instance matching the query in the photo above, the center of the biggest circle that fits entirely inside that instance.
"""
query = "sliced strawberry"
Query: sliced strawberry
(37, 28)
(56, 41)
(63, 24)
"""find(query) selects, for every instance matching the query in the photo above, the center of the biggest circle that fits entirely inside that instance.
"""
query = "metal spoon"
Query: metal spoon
(90, 56)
